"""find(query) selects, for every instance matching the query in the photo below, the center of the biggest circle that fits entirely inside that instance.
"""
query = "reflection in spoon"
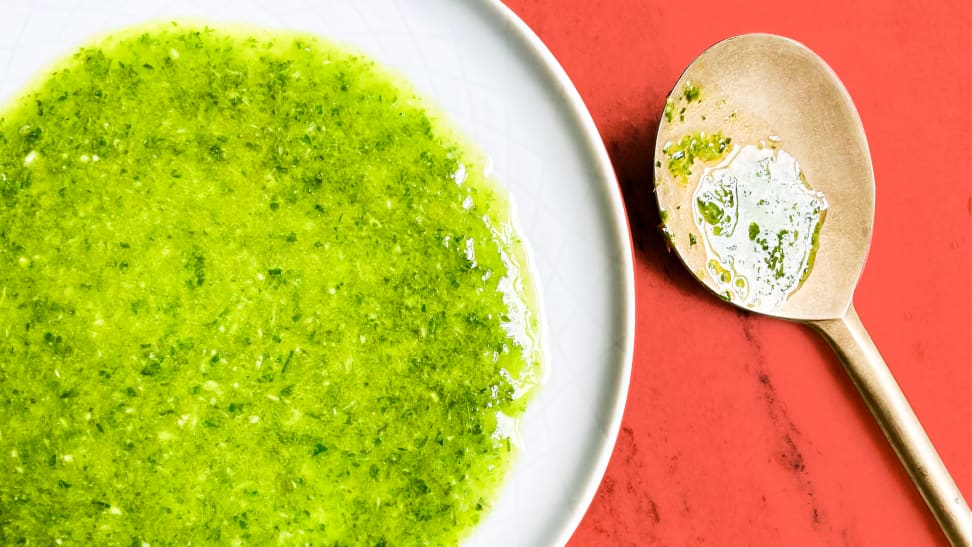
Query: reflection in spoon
(759, 221)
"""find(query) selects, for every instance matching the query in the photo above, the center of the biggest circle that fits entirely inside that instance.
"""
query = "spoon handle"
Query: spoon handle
(900, 425)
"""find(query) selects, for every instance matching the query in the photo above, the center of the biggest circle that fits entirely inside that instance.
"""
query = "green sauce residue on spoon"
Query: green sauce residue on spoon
(758, 218)
(251, 291)
(697, 146)
(759, 221)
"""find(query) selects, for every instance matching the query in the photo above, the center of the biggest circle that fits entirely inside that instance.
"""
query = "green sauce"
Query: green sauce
(251, 291)
(698, 146)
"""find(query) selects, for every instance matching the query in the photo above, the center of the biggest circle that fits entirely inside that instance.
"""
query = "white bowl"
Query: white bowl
(498, 83)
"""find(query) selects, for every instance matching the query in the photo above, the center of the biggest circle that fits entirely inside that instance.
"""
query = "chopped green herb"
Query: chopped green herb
(692, 92)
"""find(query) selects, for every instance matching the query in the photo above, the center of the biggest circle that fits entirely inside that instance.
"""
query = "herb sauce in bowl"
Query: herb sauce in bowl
(251, 290)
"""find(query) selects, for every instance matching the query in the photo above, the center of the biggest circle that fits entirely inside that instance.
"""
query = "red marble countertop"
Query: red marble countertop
(742, 429)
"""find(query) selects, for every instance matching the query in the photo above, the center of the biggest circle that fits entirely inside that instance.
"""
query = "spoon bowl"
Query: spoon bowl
(766, 92)
(758, 87)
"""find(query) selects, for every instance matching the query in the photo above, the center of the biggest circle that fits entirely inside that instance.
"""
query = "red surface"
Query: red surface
(752, 434)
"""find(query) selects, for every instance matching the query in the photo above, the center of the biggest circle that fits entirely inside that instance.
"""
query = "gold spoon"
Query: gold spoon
(774, 93)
